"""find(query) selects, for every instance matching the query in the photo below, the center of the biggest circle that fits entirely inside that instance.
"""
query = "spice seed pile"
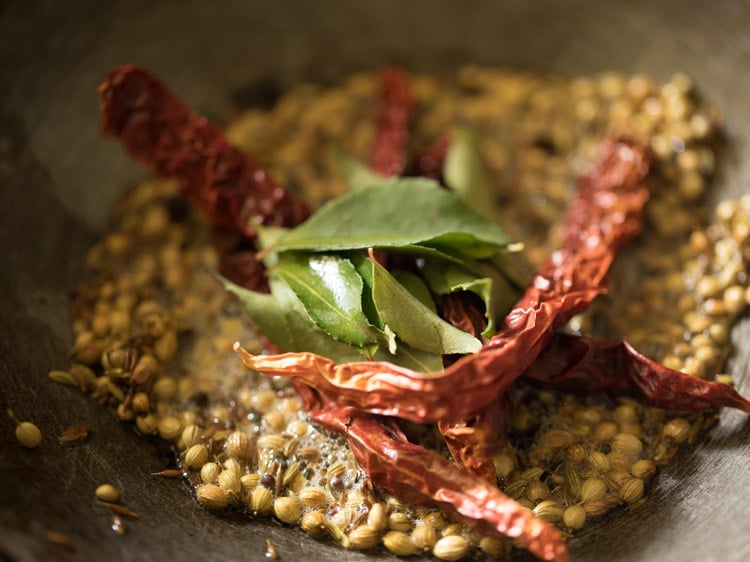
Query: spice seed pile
(154, 329)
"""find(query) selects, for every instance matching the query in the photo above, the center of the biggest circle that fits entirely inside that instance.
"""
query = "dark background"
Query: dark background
(58, 179)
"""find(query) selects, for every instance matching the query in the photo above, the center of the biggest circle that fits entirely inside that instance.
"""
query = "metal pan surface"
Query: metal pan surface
(59, 178)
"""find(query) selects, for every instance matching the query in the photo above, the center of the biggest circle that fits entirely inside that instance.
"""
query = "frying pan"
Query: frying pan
(58, 179)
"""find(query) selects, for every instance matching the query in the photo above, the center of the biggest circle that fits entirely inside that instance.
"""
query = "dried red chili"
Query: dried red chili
(474, 441)
(430, 162)
(162, 133)
(415, 474)
(395, 108)
(585, 365)
(471, 398)
(603, 217)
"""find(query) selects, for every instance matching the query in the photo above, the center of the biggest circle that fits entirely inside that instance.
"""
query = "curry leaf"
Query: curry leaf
(282, 319)
(364, 269)
(465, 172)
(417, 287)
(396, 213)
(356, 174)
(492, 287)
(412, 358)
(412, 321)
(330, 289)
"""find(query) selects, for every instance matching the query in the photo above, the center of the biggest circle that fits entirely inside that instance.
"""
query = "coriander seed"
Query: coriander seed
(424, 536)
(261, 500)
(399, 543)
(376, 517)
(574, 517)
(211, 496)
(27, 434)
(453, 547)
(196, 456)
(107, 492)
(287, 510)
(314, 523)
(363, 537)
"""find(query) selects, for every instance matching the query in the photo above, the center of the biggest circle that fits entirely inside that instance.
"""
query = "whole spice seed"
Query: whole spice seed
(575, 454)
(424, 536)
(363, 537)
(168, 473)
(233, 465)
(107, 492)
(117, 509)
(60, 539)
(228, 480)
(619, 461)
(196, 456)
(593, 489)
(399, 544)
(631, 490)
(453, 547)
(549, 510)
(211, 496)
(452, 529)
(63, 377)
(436, 520)
(271, 552)
(376, 517)
(574, 517)
(556, 438)
(169, 428)
(336, 533)
(239, 446)
(261, 500)
(597, 508)
(676, 429)
(141, 403)
(287, 510)
(75, 433)
(643, 468)
(191, 435)
(493, 546)
(148, 425)
(250, 481)
(313, 497)
(503, 465)
(398, 521)
(627, 445)
(605, 431)
(27, 434)
(314, 523)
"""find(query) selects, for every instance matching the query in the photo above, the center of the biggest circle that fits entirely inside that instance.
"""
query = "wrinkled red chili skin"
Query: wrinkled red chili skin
(392, 118)
(415, 474)
(604, 217)
(474, 441)
(585, 365)
(162, 133)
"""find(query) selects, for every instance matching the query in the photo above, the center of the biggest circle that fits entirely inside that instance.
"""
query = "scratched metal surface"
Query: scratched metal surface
(58, 179)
